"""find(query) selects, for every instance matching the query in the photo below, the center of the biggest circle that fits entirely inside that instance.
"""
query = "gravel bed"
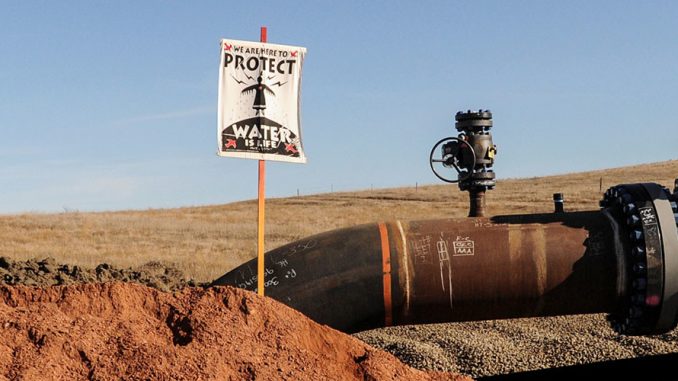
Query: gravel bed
(497, 347)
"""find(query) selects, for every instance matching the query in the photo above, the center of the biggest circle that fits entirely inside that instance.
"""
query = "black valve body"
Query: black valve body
(474, 128)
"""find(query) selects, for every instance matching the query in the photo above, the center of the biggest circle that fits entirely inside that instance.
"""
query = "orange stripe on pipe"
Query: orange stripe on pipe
(386, 266)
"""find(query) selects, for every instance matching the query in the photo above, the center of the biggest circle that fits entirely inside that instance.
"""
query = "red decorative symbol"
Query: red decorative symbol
(294, 54)
(230, 143)
(227, 46)
(291, 148)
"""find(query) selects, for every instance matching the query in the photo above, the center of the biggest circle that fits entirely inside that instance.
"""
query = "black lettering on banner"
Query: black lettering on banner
(238, 62)
(254, 63)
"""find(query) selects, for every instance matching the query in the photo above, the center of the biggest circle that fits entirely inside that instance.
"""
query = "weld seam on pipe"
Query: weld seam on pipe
(405, 265)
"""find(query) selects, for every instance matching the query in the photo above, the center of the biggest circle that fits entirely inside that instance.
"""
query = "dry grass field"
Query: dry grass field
(206, 242)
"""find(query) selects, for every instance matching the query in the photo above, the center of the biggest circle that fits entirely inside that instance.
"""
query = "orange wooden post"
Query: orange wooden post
(261, 209)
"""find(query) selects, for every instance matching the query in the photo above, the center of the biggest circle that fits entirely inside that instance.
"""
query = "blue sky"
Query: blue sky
(112, 105)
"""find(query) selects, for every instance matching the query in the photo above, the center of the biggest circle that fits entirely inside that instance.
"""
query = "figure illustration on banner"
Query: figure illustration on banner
(260, 90)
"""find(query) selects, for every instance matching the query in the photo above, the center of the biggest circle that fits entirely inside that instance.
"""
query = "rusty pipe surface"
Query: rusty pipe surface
(622, 259)
(446, 270)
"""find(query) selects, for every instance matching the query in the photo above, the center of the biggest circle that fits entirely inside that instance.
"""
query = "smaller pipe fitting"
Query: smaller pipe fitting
(558, 203)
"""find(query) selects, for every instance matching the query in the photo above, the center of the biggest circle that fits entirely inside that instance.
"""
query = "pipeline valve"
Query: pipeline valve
(471, 154)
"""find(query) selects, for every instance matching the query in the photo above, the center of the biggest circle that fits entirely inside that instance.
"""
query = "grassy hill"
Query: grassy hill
(206, 242)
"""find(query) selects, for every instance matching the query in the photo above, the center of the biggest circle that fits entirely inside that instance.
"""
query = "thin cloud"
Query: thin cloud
(202, 110)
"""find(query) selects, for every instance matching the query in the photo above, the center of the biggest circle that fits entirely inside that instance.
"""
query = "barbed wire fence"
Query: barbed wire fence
(332, 188)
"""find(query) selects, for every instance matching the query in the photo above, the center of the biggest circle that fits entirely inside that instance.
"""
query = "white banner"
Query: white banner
(259, 95)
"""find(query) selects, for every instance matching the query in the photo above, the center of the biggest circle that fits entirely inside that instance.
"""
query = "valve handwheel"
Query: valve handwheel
(453, 152)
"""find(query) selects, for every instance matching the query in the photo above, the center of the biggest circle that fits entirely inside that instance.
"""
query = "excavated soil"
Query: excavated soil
(111, 331)
(115, 330)
(47, 272)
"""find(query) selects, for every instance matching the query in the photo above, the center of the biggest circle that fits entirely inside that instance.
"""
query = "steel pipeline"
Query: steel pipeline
(395, 273)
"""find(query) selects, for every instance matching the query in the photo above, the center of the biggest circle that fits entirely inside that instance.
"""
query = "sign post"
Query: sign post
(258, 113)
(261, 208)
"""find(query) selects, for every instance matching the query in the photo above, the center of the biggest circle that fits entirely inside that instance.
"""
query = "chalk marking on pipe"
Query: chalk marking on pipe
(406, 266)
(386, 266)
(444, 259)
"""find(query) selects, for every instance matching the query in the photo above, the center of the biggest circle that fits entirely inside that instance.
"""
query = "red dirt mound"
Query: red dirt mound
(127, 331)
